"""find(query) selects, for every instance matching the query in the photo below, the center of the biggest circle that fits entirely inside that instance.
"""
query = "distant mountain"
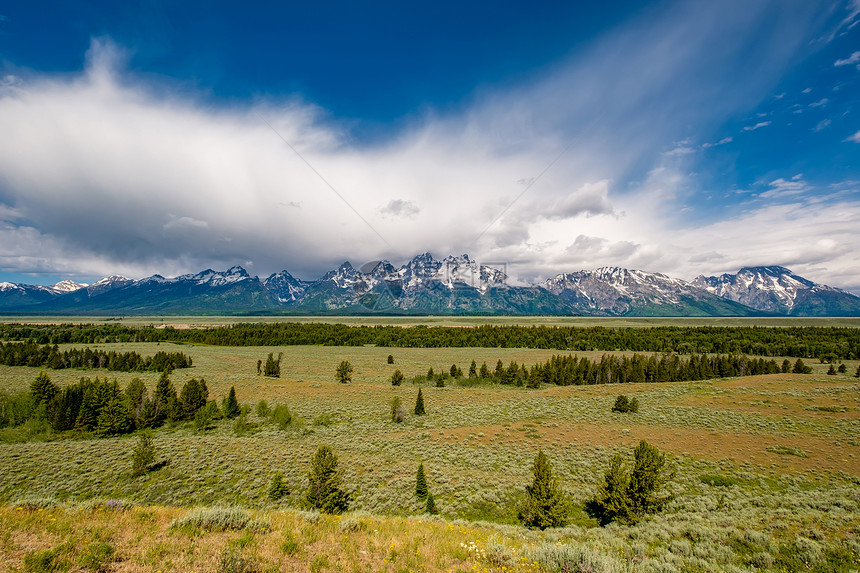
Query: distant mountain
(21, 295)
(777, 290)
(613, 291)
(425, 285)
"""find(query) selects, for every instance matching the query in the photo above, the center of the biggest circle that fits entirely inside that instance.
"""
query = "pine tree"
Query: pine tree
(831, 371)
(420, 483)
(430, 506)
(278, 488)
(801, 368)
(612, 502)
(272, 367)
(649, 475)
(485, 371)
(165, 399)
(43, 390)
(473, 370)
(397, 378)
(231, 405)
(545, 504)
(324, 492)
(786, 366)
(143, 455)
(114, 418)
(453, 371)
(857, 374)
(842, 368)
(621, 404)
(430, 374)
(419, 404)
(344, 372)
(390, 359)
(191, 399)
(136, 394)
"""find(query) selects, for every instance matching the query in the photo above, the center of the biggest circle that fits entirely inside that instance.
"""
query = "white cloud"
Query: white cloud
(723, 141)
(113, 175)
(400, 208)
(782, 187)
(759, 125)
(821, 125)
(820, 103)
(854, 58)
(855, 138)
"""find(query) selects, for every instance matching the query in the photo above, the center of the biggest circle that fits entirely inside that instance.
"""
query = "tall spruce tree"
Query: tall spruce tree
(420, 483)
(612, 502)
(324, 483)
(231, 404)
(114, 418)
(165, 399)
(343, 373)
(545, 504)
(649, 475)
(143, 455)
(419, 404)
(273, 367)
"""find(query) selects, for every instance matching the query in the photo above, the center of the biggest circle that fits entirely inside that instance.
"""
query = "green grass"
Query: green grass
(477, 444)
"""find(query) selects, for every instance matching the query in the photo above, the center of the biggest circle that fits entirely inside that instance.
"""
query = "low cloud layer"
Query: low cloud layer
(103, 172)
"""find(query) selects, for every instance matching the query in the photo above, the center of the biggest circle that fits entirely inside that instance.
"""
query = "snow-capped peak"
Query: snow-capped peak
(67, 286)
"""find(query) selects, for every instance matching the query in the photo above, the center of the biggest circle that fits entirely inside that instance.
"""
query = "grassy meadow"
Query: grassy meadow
(767, 472)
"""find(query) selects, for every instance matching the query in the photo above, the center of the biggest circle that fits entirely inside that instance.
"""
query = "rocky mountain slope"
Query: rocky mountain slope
(425, 285)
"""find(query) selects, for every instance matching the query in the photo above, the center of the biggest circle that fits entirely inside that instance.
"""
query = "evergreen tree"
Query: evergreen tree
(390, 359)
(94, 399)
(272, 367)
(453, 371)
(857, 374)
(114, 418)
(397, 378)
(420, 483)
(545, 504)
(43, 390)
(786, 366)
(621, 404)
(430, 374)
(396, 410)
(191, 399)
(485, 371)
(136, 394)
(612, 502)
(842, 368)
(324, 492)
(147, 418)
(231, 405)
(66, 407)
(344, 372)
(259, 367)
(801, 368)
(831, 371)
(278, 488)
(430, 506)
(165, 399)
(473, 370)
(419, 404)
(282, 416)
(649, 475)
(143, 455)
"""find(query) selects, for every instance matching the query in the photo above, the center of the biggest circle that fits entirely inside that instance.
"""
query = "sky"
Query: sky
(681, 137)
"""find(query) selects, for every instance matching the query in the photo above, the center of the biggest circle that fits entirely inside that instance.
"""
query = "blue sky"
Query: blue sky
(678, 137)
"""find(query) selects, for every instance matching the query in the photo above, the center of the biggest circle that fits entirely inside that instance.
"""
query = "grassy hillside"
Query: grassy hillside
(767, 478)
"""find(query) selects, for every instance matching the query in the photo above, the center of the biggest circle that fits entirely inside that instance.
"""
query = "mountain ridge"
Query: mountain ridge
(453, 285)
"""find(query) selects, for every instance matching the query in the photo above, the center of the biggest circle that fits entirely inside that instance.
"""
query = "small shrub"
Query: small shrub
(232, 561)
(787, 451)
(717, 480)
(218, 519)
(97, 556)
(324, 419)
(263, 409)
(396, 410)
(282, 416)
(390, 359)
(831, 371)
(278, 488)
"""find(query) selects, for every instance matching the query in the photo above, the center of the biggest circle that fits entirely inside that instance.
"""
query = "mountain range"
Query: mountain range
(424, 285)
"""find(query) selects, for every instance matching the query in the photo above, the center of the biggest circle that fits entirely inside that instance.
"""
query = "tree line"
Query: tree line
(46, 356)
(798, 342)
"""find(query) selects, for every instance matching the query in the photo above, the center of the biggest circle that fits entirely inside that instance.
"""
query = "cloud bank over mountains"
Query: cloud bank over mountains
(113, 171)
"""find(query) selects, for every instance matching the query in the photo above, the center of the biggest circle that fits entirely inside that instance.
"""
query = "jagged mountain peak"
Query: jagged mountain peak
(67, 286)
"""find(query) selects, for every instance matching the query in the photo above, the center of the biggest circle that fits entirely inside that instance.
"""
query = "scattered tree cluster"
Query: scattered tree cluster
(624, 404)
(273, 367)
(32, 354)
(627, 497)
